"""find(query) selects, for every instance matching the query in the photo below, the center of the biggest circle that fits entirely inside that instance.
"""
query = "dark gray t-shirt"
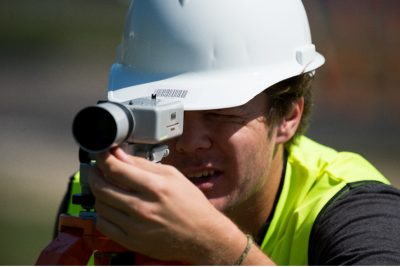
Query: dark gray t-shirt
(360, 226)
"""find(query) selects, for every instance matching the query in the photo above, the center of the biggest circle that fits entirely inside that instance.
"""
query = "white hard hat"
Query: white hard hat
(211, 54)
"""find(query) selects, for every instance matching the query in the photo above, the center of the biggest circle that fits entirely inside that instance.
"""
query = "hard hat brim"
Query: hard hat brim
(203, 90)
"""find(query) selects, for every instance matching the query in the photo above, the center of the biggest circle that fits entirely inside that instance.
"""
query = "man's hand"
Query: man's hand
(155, 210)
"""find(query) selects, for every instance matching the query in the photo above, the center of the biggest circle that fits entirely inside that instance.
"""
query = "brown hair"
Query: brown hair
(283, 95)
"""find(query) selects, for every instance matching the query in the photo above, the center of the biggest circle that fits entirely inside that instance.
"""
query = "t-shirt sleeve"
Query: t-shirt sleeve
(361, 227)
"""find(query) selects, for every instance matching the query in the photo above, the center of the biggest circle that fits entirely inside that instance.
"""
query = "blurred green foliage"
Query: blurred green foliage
(34, 31)
(22, 249)
(29, 27)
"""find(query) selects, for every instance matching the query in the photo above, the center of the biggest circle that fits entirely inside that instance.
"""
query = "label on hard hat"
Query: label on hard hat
(171, 93)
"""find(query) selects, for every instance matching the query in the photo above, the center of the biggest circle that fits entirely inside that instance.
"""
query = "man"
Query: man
(241, 185)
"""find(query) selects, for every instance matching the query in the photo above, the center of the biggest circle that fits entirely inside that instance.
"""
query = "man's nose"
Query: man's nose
(195, 136)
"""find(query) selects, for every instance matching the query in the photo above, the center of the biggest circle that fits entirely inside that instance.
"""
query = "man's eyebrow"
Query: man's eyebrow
(232, 111)
(240, 108)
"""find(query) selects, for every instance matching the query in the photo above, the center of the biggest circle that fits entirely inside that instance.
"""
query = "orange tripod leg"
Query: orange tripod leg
(78, 239)
(66, 249)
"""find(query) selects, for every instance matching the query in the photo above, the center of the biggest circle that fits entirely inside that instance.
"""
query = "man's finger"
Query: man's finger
(131, 176)
(113, 195)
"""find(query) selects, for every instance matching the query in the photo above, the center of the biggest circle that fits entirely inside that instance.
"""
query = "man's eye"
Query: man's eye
(220, 115)
(224, 117)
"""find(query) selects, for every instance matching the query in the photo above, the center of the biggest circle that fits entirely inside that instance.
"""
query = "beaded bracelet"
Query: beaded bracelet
(246, 250)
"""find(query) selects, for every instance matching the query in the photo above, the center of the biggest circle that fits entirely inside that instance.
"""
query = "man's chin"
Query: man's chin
(220, 203)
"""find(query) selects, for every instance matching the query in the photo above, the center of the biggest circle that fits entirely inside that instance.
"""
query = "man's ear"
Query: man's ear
(289, 124)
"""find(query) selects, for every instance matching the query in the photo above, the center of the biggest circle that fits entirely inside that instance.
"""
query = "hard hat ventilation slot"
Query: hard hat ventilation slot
(183, 2)
(305, 55)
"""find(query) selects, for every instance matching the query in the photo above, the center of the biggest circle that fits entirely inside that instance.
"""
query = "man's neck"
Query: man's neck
(251, 216)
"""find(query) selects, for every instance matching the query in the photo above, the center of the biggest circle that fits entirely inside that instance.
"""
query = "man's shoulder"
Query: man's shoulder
(359, 227)
(319, 160)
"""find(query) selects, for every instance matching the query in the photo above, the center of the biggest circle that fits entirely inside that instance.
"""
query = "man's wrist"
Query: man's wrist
(246, 251)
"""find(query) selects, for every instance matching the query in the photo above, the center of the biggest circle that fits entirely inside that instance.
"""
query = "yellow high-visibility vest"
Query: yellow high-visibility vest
(314, 175)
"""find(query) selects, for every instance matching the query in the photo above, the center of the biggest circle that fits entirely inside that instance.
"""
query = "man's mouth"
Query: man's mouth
(200, 174)
(203, 179)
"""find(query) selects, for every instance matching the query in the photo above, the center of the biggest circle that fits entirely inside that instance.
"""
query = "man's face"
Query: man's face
(226, 153)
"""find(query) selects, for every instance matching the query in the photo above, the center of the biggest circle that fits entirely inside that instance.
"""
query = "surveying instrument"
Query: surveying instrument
(139, 126)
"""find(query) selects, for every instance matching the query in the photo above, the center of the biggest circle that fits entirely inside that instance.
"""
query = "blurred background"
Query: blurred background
(55, 57)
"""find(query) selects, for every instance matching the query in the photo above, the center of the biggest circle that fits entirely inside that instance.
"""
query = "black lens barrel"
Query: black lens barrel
(99, 128)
